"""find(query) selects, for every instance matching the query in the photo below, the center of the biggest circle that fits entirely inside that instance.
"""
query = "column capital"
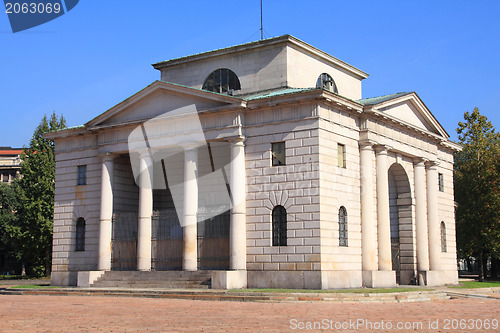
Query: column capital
(239, 140)
(419, 161)
(107, 157)
(366, 144)
(191, 147)
(382, 149)
(145, 154)
(432, 164)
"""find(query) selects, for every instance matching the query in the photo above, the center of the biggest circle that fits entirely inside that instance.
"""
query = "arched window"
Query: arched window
(342, 226)
(443, 238)
(80, 234)
(279, 226)
(326, 82)
(222, 81)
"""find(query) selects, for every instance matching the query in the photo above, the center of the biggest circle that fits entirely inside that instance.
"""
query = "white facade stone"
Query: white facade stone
(278, 102)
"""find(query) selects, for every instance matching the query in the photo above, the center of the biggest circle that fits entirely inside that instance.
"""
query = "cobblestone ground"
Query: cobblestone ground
(128, 314)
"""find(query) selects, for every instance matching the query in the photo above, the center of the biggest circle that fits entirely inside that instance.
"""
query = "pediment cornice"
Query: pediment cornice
(377, 110)
(166, 87)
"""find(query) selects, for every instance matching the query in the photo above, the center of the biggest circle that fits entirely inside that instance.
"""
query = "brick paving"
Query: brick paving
(128, 314)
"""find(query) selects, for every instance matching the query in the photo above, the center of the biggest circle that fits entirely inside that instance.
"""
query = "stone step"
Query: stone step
(154, 279)
(151, 285)
(156, 275)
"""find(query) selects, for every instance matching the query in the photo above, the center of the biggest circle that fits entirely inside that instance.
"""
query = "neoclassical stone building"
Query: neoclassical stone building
(314, 186)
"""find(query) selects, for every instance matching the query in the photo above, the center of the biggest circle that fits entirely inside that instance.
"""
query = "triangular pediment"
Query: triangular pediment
(158, 99)
(409, 109)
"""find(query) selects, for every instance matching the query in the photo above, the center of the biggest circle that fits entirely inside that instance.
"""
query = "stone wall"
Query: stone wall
(304, 70)
(265, 68)
(294, 186)
(73, 201)
(339, 187)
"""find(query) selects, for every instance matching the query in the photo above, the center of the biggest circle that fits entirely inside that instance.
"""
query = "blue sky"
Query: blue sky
(101, 52)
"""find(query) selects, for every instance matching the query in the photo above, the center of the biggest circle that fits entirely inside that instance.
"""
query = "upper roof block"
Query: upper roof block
(283, 61)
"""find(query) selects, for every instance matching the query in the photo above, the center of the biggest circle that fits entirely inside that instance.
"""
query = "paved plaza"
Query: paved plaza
(128, 314)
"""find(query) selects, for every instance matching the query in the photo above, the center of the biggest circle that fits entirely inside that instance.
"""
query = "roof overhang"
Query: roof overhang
(306, 95)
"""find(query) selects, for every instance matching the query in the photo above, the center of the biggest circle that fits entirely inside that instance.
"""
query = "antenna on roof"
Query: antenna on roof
(261, 24)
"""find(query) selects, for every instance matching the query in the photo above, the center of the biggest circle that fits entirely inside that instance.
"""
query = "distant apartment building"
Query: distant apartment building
(10, 163)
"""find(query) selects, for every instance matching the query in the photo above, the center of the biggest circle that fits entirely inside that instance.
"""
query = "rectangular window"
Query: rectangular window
(341, 155)
(5, 178)
(278, 153)
(82, 175)
(441, 182)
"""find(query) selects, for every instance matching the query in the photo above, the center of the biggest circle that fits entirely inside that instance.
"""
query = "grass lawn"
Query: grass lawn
(13, 277)
(34, 286)
(332, 291)
(476, 284)
(22, 277)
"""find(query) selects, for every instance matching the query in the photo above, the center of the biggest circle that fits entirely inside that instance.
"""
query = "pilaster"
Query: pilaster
(421, 217)
(190, 246)
(383, 215)
(145, 213)
(433, 217)
(106, 213)
(238, 212)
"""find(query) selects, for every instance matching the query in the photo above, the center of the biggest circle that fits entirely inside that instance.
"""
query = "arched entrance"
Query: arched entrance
(402, 231)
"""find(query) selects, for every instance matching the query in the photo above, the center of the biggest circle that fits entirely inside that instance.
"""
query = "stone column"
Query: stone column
(368, 240)
(145, 213)
(421, 216)
(238, 239)
(190, 246)
(383, 216)
(433, 217)
(106, 213)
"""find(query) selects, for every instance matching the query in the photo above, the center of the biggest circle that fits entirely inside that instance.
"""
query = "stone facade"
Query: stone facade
(386, 162)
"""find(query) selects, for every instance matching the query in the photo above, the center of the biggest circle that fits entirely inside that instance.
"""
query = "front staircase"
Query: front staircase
(154, 279)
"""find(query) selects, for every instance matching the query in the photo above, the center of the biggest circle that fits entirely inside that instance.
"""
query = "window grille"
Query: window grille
(343, 226)
(82, 175)
(443, 238)
(326, 82)
(279, 226)
(223, 81)
(441, 182)
(80, 234)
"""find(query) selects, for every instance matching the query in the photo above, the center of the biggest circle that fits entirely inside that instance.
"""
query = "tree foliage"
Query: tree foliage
(477, 178)
(30, 232)
(9, 204)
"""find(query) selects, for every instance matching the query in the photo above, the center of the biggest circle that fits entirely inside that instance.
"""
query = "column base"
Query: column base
(86, 278)
(437, 278)
(379, 279)
(229, 279)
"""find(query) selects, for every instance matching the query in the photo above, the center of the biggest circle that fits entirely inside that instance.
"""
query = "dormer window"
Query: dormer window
(326, 82)
(222, 81)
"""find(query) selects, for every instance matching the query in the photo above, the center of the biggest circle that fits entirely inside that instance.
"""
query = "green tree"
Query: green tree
(477, 177)
(31, 232)
(9, 204)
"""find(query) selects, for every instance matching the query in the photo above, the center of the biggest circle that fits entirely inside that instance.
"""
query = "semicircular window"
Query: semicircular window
(326, 82)
(222, 81)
